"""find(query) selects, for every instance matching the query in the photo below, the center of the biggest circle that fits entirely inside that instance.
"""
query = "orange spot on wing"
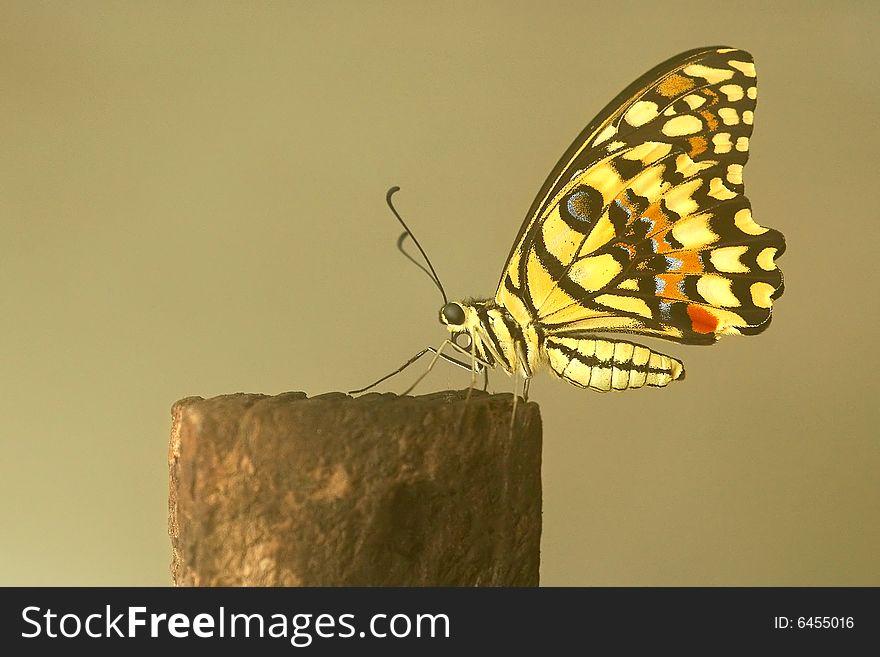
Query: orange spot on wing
(690, 262)
(661, 220)
(674, 85)
(629, 248)
(702, 321)
(711, 119)
(670, 288)
(698, 146)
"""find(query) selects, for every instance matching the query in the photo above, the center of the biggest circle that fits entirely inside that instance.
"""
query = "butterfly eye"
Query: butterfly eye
(463, 340)
(452, 313)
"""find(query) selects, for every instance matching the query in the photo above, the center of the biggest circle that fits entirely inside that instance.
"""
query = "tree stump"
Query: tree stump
(378, 490)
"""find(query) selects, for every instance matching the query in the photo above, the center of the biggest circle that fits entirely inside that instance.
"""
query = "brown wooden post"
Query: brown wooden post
(378, 490)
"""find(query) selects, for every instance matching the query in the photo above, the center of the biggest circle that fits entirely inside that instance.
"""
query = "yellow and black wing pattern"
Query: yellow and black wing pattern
(643, 227)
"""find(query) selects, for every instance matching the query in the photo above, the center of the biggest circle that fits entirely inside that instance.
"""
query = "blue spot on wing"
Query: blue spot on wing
(576, 204)
(666, 310)
(673, 264)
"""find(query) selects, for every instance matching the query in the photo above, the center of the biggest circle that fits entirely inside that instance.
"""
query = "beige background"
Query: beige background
(192, 203)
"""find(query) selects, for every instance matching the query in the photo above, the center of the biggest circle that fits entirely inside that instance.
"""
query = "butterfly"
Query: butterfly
(642, 228)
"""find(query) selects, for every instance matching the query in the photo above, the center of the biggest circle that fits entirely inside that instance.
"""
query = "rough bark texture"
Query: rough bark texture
(378, 490)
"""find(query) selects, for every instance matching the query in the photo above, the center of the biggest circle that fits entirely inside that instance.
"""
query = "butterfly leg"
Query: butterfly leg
(412, 360)
(473, 373)
(437, 354)
(473, 365)
(527, 378)
(476, 366)
(513, 411)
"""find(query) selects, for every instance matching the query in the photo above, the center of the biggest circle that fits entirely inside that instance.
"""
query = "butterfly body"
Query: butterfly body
(641, 228)
(495, 339)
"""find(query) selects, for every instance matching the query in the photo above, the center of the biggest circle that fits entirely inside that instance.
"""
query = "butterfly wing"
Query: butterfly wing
(643, 226)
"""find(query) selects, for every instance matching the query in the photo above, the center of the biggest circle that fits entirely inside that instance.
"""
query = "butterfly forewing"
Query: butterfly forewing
(643, 226)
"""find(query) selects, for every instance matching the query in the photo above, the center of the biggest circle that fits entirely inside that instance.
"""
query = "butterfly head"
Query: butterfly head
(453, 316)
(459, 320)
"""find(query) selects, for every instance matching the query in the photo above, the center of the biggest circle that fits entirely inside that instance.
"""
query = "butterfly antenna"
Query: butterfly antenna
(408, 233)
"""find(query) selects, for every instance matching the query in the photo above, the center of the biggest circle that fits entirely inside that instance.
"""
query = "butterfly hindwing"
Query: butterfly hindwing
(643, 226)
